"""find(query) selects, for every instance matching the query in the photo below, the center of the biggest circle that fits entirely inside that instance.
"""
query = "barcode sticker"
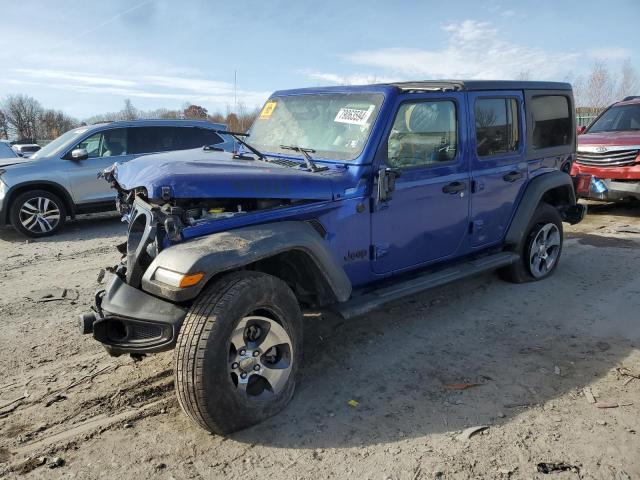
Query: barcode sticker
(354, 116)
(268, 109)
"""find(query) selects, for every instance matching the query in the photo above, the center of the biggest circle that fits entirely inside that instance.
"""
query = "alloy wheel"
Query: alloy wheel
(545, 250)
(260, 357)
(39, 215)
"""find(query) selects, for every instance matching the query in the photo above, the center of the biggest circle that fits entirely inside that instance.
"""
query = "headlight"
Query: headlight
(175, 279)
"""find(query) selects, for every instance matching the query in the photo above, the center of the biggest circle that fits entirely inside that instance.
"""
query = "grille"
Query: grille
(615, 158)
(143, 332)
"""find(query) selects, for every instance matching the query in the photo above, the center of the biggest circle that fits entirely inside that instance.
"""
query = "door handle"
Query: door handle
(454, 187)
(512, 177)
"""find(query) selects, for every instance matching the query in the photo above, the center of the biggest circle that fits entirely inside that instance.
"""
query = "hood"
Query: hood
(5, 162)
(622, 138)
(200, 173)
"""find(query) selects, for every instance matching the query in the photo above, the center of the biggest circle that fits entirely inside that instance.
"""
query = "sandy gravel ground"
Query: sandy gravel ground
(540, 354)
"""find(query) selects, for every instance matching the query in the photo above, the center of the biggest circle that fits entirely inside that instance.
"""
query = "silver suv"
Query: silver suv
(60, 180)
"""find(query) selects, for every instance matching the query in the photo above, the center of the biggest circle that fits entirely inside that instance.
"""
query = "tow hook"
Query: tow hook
(86, 321)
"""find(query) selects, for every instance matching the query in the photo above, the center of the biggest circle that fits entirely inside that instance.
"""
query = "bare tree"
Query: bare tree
(22, 114)
(162, 113)
(129, 112)
(4, 126)
(599, 88)
(628, 84)
(195, 111)
(524, 75)
(54, 123)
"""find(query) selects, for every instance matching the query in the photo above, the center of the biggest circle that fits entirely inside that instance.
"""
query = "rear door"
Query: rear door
(427, 217)
(498, 163)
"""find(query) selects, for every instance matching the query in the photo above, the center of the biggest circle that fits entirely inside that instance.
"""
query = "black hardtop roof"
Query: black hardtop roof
(479, 85)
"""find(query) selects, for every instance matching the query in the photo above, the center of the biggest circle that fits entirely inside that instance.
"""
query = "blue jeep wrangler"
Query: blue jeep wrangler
(341, 198)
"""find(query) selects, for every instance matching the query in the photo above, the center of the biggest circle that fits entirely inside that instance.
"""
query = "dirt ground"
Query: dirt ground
(540, 354)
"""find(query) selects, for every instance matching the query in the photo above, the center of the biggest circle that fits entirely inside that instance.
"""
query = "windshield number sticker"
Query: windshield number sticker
(354, 116)
(267, 110)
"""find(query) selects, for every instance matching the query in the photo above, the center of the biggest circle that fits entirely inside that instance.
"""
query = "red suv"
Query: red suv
(607, 165)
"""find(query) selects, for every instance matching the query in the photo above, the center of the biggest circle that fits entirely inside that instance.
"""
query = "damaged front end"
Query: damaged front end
(141, 311)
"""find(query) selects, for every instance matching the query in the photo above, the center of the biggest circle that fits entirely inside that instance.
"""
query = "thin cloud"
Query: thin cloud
(614, 53)
(473, 50)
(353, 79)
(148, 87)
(103, 24)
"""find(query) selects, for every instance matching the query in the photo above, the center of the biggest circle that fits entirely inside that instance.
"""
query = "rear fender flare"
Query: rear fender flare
(534, 193)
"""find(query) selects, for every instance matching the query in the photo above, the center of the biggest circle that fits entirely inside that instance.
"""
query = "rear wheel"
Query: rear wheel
(238, 352)
(37, 213)
(540, 249)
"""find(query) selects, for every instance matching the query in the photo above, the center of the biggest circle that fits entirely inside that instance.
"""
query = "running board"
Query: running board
(369, 301)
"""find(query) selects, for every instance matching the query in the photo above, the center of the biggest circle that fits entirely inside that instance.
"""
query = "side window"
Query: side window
(497, 129)
(92, 145)
(108, 143)
(152, 139)
(114, 143)
(193, 137)
(551, 121)
(423, 134)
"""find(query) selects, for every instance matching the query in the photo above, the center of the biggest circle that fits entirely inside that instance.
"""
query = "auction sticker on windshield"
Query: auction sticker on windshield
(354, 116)
(268, 109)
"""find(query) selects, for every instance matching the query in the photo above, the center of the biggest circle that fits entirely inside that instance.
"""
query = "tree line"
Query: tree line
(23, 118)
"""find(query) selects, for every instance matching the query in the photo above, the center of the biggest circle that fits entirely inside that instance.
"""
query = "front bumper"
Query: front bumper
(606, 183)
(128, 320)
(607, 189)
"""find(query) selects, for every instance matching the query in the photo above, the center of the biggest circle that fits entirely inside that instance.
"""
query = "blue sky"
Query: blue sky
(86, 57)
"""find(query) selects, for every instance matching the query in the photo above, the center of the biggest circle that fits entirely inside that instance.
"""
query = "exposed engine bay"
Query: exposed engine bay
(174, 214)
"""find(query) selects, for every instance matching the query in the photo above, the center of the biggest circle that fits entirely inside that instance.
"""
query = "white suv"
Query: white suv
(37, 194)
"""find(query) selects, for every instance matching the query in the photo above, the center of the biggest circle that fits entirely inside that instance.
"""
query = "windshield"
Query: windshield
(336, 125)
(618, 119)
(58, 144)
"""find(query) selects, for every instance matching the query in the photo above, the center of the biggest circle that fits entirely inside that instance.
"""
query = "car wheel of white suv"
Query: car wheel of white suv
(37, 213)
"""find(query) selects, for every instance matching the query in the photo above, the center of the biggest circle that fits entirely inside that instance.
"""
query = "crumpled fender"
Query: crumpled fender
(229, 250)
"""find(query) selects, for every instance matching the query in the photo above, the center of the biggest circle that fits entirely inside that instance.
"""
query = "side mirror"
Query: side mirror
(581, 129)
(387, 183)
(79, 154)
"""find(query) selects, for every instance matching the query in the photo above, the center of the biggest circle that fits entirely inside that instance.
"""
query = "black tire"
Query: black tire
(522, 271)
(205, 383)
(37, 227)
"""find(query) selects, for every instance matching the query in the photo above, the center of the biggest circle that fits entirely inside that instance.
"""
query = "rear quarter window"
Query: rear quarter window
(552, 121)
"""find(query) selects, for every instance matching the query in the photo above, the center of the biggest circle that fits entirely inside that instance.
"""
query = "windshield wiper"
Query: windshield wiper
(307, 158)
(236, 136)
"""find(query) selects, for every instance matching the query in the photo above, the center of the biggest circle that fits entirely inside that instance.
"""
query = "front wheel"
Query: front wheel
(540, 249)
(238, 352)
(37, 213)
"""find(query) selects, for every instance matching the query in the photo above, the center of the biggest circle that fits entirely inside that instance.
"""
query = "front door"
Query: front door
(104, 149)
(498, 164)
(426, 218)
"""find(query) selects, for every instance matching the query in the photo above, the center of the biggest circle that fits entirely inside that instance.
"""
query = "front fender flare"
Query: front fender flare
(230, 250)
